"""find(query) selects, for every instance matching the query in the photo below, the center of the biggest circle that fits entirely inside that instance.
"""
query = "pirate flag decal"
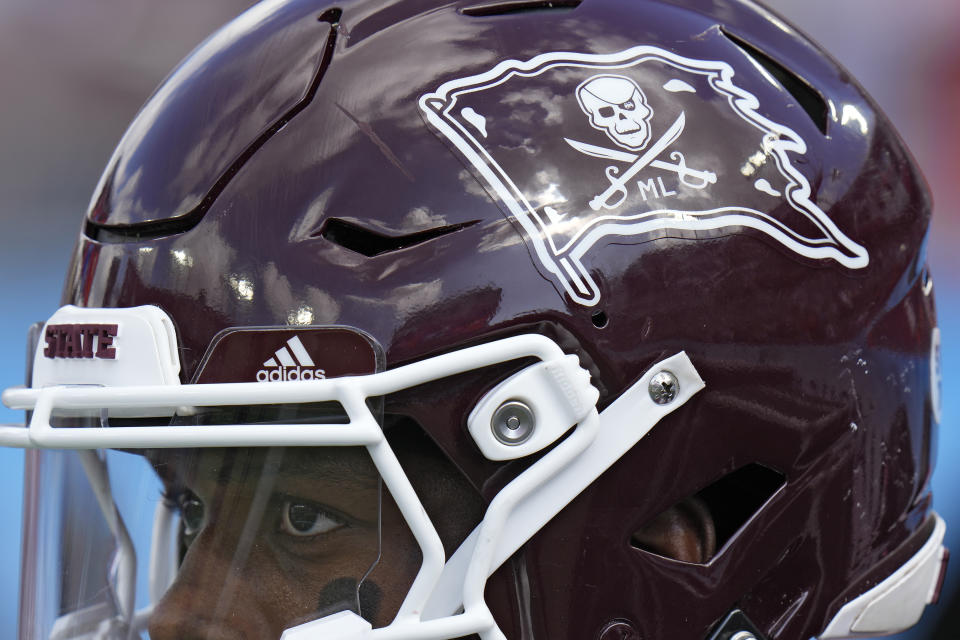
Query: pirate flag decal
(586, 149)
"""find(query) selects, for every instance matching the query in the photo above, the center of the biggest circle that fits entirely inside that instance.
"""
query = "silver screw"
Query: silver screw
(743, 635)
(512, 423)
(664, 387)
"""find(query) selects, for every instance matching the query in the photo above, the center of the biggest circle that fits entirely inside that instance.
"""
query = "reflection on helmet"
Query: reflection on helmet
(523, 321)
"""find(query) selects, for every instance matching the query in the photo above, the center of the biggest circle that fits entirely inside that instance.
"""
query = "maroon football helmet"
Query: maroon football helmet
(531, 320)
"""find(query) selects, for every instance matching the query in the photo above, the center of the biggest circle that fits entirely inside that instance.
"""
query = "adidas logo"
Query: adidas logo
(290, 362)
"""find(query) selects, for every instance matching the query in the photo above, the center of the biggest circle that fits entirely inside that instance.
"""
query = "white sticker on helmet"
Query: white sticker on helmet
(626, 150)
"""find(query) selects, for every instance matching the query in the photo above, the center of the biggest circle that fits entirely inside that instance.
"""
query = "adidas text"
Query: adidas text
(284, 374)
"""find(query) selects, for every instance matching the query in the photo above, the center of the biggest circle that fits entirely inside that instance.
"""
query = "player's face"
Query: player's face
(275, 537)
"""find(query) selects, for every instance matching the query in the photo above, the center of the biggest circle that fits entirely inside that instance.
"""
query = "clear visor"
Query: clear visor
(220, 542)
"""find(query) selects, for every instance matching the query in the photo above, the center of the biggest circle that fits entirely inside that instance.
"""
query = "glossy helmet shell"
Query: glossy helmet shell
(286, 173)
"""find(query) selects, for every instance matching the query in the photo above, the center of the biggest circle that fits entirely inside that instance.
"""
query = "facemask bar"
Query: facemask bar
(163, 567)
(620, 426)
(515, 514)
(163, 561)
(115, 618)
(124, 565)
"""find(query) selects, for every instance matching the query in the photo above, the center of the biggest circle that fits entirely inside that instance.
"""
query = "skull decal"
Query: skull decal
(616, 105)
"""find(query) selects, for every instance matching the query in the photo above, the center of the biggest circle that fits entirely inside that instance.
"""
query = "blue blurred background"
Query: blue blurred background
(74, 72)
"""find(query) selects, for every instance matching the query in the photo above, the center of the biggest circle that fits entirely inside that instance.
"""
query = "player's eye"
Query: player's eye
(606, 112)
(303, 519)
(192, 513)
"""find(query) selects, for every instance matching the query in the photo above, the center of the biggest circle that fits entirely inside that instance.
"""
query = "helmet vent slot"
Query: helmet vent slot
(711, 517)
(809, 98)
(735, 498)
(518, 6)
(370, 243)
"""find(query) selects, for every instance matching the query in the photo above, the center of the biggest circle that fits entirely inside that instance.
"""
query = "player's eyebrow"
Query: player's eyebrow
(345, 467)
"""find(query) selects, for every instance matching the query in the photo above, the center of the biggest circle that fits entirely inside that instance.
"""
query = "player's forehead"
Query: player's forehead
(349, 467)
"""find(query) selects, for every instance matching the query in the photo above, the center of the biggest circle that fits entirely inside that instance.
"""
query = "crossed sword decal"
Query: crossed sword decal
(618, 182)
